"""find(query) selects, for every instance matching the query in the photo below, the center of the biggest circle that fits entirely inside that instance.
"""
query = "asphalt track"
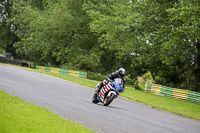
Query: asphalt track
(73, 101)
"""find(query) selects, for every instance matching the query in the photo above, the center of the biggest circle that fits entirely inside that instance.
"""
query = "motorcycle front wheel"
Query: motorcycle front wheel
(109, 99)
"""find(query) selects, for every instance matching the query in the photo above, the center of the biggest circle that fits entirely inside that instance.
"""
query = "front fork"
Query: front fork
(113, 92)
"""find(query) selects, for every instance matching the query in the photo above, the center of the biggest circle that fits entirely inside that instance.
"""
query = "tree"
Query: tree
(58, 34)
(7, 36)
(184, 40)
(151, 35)
(102, 35)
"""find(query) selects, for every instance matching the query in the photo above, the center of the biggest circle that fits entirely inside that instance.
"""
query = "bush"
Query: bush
(146, 78)
(95, 76)
(141, 83)
(130, 82)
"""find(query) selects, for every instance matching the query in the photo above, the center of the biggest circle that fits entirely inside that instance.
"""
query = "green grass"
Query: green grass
(176, 106)
(18, 116)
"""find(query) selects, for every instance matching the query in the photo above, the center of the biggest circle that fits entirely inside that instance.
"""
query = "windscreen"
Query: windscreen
(119, 81)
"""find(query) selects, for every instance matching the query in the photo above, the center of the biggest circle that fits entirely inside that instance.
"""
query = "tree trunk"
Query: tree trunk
(197, 69)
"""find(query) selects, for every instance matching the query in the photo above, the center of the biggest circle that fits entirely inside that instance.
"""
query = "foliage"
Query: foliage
(95, 76)
(151, 36)
(162, 37)
(147, 76)
(184, 38)
(7, 36)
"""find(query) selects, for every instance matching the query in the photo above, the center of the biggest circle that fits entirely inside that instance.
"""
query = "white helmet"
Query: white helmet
(122, 72)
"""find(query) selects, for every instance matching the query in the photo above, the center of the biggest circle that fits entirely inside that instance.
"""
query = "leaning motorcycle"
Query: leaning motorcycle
(109, 92)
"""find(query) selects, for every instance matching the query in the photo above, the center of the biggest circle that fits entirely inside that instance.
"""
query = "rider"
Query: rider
(120, 74)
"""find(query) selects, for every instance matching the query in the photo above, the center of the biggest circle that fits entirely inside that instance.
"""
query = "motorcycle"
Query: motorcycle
(109, 92)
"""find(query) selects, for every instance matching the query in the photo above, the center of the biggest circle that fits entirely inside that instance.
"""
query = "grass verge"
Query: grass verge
(176, 106)
(18, 116)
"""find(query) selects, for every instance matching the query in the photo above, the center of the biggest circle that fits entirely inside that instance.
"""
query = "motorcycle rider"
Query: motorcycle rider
(120, 74)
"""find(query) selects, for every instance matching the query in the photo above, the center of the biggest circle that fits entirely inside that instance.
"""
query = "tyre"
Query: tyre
(94, 98)
(108, 99)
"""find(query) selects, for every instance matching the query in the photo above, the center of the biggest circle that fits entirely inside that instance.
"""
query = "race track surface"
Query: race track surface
(73, 101)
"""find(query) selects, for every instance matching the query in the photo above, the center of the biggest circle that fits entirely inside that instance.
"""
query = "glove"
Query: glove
(105, 82)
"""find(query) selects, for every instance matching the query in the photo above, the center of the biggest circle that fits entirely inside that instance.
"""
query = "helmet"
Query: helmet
(122, 72)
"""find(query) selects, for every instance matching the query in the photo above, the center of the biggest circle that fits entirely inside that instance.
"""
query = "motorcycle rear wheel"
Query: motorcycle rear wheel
(108, 99)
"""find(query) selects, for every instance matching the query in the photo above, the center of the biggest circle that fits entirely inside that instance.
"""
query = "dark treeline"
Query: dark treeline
(160, 36)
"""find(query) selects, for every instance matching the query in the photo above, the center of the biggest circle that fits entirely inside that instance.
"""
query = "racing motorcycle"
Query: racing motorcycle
(109, 92)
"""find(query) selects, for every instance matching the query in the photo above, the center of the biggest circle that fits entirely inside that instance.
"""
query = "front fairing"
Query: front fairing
(117, 85)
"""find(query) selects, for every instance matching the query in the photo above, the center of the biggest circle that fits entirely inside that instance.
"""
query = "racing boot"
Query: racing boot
(95, 94)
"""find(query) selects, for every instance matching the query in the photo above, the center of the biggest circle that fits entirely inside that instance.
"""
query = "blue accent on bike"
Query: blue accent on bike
(119, 88)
